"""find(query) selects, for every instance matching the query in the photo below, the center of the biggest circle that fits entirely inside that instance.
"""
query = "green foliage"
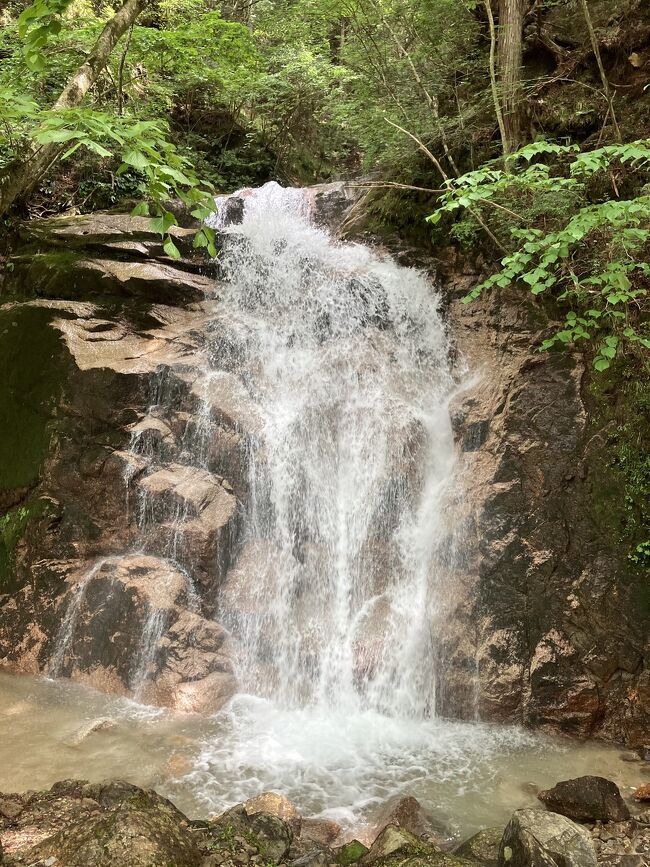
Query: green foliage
(139, 147)
(36, 26)
(593, 259)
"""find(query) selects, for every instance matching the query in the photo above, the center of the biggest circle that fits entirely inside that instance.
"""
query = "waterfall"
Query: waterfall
(347, 540)
(296, 472)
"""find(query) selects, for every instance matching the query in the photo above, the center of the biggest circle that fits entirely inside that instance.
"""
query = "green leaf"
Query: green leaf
(136, 159)
(171, 249)
(601, 363)
(140, 210)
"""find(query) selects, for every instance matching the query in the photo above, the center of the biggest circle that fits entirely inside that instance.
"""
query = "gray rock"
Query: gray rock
(143, 831)
(586, 799)
(482, 847)
(534, 838)
(270, 835)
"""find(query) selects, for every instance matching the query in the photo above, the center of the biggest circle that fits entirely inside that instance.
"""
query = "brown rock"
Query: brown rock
(405, 811)
(642, 793)
(586, 799)
(276, 805)
(321, 831)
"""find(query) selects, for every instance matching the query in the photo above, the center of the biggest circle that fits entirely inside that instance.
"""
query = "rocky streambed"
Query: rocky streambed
(79, 824)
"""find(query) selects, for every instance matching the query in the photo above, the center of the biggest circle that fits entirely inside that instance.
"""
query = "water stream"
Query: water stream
(337, 361)
(344, 356)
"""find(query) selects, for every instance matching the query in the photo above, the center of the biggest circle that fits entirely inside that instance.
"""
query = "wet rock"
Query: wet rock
(544, 561)
(323, 832)
(270, 835)
(229, 402)
(276, 805)
(395, 842)
(140, 832)
(629, 756)
(482, 847)
(642, 793)
(201, 541)
(350, 853)
(189, 665)
(95, 725)
(317, 858)
(405, 812)
(231, 211)
(534, 838)
(586, 799)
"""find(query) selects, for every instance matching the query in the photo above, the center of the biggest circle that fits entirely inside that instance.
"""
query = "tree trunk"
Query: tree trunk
(511, 25)
(22, 176)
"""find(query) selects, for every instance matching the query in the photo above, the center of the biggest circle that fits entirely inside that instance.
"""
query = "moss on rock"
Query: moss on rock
(33, 361)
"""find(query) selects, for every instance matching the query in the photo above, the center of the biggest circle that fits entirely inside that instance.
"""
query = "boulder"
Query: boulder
(270, 835)
(350, 853)
(586, 799)
(320, 831)
(81, 824)
(534, 838)
(394, 842)
(482, 847)
(141, 832)
(276, 805)
(405, 811)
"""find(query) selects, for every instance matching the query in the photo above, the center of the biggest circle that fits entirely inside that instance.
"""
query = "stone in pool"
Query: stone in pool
(586, 799)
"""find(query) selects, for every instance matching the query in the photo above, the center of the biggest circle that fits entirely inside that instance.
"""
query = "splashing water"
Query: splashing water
(344, 355)
(333, 363)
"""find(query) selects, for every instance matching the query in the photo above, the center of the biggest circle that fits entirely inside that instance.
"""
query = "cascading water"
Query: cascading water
(314, 390)
(336, 597)
(345, 357)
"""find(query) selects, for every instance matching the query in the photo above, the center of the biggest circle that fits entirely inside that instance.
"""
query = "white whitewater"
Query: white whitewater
(337, 596)
(345, 356)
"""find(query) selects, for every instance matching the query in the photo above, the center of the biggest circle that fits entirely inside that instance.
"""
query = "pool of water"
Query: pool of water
(468, 776)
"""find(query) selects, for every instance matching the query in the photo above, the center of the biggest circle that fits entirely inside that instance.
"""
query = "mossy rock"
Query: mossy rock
(396, 843)
(136, 834)
(350, 853)
(34, 361)
(482, 847)
(270, 835)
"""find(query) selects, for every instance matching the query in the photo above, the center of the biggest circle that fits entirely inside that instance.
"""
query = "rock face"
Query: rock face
(586, 799)
(547, 609)
(98, 329)
(534, 838)
(100, 580)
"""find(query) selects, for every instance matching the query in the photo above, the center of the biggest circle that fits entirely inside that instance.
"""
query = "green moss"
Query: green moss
(350, 853)
(620, 470)
(33, 362)
(13, 525)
